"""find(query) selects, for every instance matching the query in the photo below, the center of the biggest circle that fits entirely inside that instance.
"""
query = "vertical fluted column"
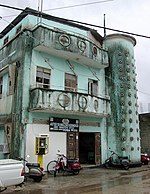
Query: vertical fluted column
(123, 124)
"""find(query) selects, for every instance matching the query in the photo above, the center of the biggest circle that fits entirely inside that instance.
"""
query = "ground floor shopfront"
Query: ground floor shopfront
(82, 141)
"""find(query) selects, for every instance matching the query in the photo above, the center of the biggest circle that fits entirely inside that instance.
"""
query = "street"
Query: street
(91, 181)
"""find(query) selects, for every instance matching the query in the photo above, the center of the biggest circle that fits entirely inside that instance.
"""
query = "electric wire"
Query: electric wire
(58, 8)
(11, 7)
(88, 68)
(83, 23)
(77, 5)
(87, 24)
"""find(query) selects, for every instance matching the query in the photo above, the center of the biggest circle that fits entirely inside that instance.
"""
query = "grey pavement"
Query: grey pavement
(89, 178)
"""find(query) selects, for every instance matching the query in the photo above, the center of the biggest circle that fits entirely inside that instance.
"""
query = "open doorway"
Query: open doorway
(87, 148)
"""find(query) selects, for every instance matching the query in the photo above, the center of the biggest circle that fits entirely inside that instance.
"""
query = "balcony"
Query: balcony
(73, 47)
(64, 102)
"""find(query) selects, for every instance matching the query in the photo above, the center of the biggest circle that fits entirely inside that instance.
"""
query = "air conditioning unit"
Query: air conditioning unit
(4, 148)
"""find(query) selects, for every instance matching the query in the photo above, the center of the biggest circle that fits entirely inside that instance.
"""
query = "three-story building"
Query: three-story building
(54, 91)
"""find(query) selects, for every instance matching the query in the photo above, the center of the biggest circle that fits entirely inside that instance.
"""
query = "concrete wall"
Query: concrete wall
(145, 133)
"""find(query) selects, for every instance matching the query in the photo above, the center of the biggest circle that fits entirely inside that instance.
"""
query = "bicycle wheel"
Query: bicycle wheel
(51, 167)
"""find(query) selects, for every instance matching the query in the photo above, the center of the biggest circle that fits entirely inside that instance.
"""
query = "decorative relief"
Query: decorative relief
(122, 94)
(131, 138)
(82, 102)
(129, 103)
(132, 148)
(123, 138)
(130, 120)
(130, 111)
(129, 86)
(123, 129)
(64, 40)
(122, 120)
(63, 100)
(131, 129)
(128, 78)
(96, 105)
(94, 50)
(119, 53)
(122, 103)
(81, 45)
(127, 54)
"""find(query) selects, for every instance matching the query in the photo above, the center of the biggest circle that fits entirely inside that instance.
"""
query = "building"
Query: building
(144, 132)
(63, 87)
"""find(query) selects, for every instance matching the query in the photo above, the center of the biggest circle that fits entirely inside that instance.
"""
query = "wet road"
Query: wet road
(91, 181)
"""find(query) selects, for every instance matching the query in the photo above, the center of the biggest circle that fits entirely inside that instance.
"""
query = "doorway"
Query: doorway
(87, 148)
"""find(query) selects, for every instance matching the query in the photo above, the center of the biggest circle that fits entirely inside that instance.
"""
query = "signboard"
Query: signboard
(63, 124)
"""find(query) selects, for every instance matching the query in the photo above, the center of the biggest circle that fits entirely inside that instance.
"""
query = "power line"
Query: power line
(91, 70)
(144, 93)
(78, 5)
(83, 23)
(91, 25)
(111, 29)
(11, 7)
(58, 8)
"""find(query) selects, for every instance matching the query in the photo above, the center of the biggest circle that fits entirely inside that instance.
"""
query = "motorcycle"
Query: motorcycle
(35, 172)
(63, 164)
(119, 161)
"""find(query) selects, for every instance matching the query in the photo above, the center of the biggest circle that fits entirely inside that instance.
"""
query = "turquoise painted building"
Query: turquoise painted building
(63, 87)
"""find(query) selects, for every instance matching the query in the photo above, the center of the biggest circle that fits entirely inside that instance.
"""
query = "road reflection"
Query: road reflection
(91, 182)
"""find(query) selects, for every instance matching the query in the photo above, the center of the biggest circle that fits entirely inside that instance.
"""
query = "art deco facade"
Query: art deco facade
(62, 84)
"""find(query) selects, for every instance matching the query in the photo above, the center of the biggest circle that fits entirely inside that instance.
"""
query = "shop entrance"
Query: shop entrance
(89, 148)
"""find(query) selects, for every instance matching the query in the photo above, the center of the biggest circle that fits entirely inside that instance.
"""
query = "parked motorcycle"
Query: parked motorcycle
(63, 164)
(35, 172)
(119, 161)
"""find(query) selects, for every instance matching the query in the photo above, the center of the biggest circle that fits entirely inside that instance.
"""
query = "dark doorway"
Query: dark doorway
(87, 148)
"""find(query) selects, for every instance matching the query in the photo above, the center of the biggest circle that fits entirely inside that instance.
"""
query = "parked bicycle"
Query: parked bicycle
(62, 165)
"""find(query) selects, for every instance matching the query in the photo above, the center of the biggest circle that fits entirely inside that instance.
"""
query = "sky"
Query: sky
(126, 15)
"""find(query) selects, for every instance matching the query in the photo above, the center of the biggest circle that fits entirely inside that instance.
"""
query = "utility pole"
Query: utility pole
(104, 28)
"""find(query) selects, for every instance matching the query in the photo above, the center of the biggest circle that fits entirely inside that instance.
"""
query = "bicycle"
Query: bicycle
(57, 166)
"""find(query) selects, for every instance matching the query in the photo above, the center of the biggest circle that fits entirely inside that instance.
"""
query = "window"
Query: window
(70, 82)
(10, 87)
(6, 40)
(1, 86)
(93, 87)
(18, 29)
(43, 77)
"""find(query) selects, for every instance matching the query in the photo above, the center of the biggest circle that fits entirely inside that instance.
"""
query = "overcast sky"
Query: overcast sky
(127, 15)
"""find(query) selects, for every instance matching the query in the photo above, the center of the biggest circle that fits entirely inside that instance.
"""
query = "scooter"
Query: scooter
(119, 161)
(72, 166)
(63, 164)
(35, 172)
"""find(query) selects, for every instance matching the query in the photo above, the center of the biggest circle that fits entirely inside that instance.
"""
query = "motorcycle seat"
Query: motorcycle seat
(123, 157)
(30, 165)
(71, 160)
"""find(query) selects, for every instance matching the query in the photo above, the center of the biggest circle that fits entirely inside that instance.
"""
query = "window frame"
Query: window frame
(1, 86)
(93, 87)
(43, 74)
(71, 82)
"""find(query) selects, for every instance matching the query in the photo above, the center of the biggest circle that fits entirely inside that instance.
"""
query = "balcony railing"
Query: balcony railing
(70, 46)
(65, 102)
